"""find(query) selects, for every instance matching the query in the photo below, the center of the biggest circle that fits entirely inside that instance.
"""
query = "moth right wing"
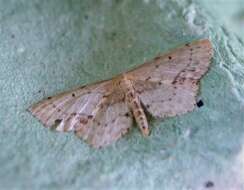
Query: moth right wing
(168, 85)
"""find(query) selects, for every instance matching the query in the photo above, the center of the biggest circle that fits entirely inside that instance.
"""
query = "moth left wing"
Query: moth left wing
(63, 111)
(97, 113)
(168, 85)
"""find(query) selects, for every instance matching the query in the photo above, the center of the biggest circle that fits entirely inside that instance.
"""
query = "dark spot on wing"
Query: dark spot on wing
(90, 116)
(209, 184)
(131, 95)
(200, 103)
(73, 94)
(136, 105)
(143, 127)
(147, 106)
(57, 121)
(159, 83)
(187, 44)
(139, 91)
(49, 98)
(170, 57)
(127, 114)
(156, 66)
(83, 121)
(148, 78)
(12, 36)
(86, 17)
(139, 112)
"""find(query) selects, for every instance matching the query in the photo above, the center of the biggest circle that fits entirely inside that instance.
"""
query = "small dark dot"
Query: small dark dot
(209, 184)
(131, 95)
(190, 59)
(59, 110)
(12, 36)
(139, 92)
(83, 121)
(90, 116)
(143, 127)
(192, 69)
(147, 106)
(156, 66)
(191, 49)
(86, 17)
(187, 44)
(200, 103)
(57, 121)
(139, 112)
(136, 105)
(170, 57)
(170, 99)
(159, 83)
(127, 114)
(73, 95)
(49, 97)
(148, 78)
(157, 58)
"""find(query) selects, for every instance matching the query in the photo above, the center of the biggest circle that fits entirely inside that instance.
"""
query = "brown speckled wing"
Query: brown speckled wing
(167, 86)
(97, 113)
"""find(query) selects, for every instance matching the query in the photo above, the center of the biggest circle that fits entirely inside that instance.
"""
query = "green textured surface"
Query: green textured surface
(47, 47)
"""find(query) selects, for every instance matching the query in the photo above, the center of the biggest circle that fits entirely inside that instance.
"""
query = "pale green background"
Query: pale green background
(48, 46)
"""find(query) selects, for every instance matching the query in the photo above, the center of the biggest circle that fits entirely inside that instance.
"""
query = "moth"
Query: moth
(102, 112)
